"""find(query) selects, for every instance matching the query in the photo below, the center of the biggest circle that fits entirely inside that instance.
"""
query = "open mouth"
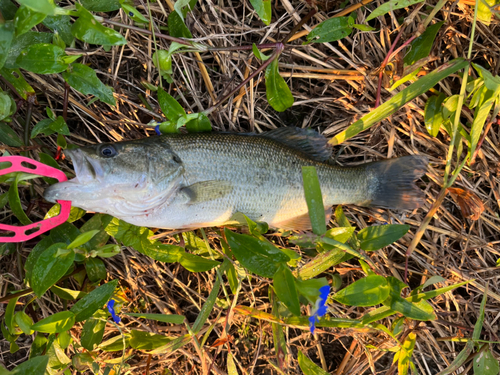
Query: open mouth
(86, 169)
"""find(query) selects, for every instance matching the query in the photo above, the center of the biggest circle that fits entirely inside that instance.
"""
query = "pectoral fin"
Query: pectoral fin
(206, 191)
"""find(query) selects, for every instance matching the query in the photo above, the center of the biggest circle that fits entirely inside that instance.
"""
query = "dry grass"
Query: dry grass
(333, 84)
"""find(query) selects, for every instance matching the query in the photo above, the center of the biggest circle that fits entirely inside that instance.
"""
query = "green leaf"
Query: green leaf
(67, 294)
(142, 340)
(207, 308)
(96, 269)
(378, 236)
(38, 346)
(278, 93)
(24, 322)
(363, 27)
(259, 54)
(26, 19)
(199, 124)
(478, 327)
(331, 30)
(421, 47)
(485, 364)
(433, 114)
(84, 79)
(194, 263)
(400, 99)
(115, 343)
(93, 330)
(88, 30)
(484, 13)
(284, 286)
(9, 137)
(176, 26)
(182, 7)
(20, 43)
(391, 5)
(314, 199)
(310, 288)
(82, 239)
(61, 25)
(231, 366)
(418, 311)
(16, 79)
(101, 5)
(459, 360)
(42, 59)
(48, 127)
(368, 291)
(321, 263)
(15, 202)
(33, 366)
(165, 318)
(308, 367)
(8, 9)
(169, 106)
(59, 322)
(7, 106)
(6, 36)
(405, 353)
(481, 115)
(260, 257)
(50, 267)
(93, 301)
(133, 13)
(263, 9)
(9, 314)
(42, 6)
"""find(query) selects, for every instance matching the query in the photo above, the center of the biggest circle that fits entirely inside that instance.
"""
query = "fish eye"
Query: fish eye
(108, 151)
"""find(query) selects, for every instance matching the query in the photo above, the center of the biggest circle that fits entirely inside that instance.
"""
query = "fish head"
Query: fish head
(120, 178)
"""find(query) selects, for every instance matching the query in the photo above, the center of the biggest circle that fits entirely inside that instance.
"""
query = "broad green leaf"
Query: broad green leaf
(26, 19)
(491, 82)
(166, 253)
(199, 124)
(96, 269)
(231, 366)
(485, 364)
(65, 233)
(278, 93)
(263, 9)
(84, 79)
(409, 77)
(115, 344)
(207, 308)
(363, 27)
(9, 137)
(15, 202)
(93, 301)
(16, 79)
(331, 30)
(450, 105)
(260, 257)
(6, 36)
(38, 346)
(35, 253)
(101, 5)
(24, 322)
(256, 228)
(368, 291)
(308, 367)
(93, 330)
(378, 236)
(400, 99)
(341, 234)
(88, 30)
(10, 315)
(42, 59)
(343, 222)
(48, 126)
(165, 318)
(33, 366)
(169, 106)
(259, 54)
(42, 6)
(7, 106)
(173, 345)
(142, 340)
(8, 9)
(20, 43)
(195, 263)
(314, 199)
(481, 115)
(177, 27)
(59, 322)
(67, 294)
(484, 12)
(182, 7)
(321, 263)
(391, 5)
(284, 286)
(421, 47)
(60, 25)
(82, 239)
(50, 267)
(433, 114)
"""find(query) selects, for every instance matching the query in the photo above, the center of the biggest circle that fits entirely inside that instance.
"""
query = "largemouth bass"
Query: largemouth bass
(187, 181)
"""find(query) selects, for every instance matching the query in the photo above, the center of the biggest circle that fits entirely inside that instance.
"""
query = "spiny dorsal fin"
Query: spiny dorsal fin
(204, 191)
(307, 140)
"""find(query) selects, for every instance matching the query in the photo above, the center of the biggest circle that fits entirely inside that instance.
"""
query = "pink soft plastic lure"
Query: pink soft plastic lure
(27, 232)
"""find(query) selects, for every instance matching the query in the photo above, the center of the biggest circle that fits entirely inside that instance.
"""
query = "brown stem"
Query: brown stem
(296, 28)
(65, 101)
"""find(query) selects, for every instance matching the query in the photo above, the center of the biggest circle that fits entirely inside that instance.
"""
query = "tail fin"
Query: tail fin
(392, 182)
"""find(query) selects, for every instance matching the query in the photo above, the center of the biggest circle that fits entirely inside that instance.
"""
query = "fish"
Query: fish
(195, 180)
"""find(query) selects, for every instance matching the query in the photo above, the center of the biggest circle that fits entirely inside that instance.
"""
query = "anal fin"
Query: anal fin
(301, 222)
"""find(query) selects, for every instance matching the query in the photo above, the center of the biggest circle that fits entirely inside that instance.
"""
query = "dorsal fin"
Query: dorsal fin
(308, 141)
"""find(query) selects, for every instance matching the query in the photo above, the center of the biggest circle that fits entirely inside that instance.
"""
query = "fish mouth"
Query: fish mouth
(89, 173)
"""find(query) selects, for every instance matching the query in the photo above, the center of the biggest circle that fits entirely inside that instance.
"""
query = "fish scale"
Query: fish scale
(202, 179)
